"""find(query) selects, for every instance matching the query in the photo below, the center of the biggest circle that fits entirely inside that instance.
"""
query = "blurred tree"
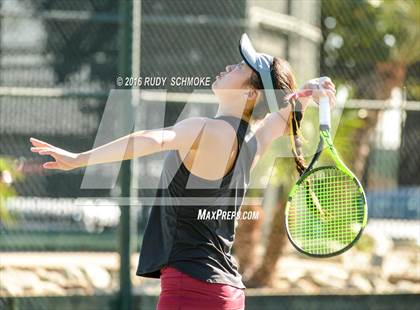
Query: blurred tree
(282, 179)
(265, 274)
(9, 174)
(370, 45)
(409, 155)
(88, 43)
(247, 240)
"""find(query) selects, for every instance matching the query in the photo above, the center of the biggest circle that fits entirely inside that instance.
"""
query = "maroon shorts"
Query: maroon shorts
(182, 292)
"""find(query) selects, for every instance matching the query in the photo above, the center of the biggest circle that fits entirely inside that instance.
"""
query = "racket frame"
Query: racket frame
(325, 138)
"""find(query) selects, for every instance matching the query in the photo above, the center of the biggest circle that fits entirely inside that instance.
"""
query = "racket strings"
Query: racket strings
(326, 212)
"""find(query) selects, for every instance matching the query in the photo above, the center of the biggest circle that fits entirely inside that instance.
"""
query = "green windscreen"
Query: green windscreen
(326, 212)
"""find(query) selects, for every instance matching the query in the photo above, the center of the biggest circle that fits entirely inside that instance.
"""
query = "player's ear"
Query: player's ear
(252, 94)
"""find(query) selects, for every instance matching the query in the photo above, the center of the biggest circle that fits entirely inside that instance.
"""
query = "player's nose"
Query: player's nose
(228, 68)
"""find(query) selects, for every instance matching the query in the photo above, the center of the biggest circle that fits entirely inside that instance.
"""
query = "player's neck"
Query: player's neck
(231, 110)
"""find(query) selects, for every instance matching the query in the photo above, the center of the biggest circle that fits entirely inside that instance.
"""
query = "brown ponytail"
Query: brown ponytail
(283, 79)
(296, 137)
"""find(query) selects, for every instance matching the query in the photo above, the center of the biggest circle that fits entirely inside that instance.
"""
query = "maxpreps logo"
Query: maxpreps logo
(204, 214)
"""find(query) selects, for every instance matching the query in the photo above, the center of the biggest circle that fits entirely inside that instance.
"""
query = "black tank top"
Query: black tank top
(177, 236)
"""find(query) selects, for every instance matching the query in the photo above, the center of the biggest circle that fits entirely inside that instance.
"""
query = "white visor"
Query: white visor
(261, 63)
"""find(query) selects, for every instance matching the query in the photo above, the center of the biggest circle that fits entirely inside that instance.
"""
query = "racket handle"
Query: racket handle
(324, 112)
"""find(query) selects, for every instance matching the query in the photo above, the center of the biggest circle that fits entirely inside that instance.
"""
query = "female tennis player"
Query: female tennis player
(206, 169)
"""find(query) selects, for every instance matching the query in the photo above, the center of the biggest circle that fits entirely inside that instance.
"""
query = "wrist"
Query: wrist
(81, 160)
(284, 115)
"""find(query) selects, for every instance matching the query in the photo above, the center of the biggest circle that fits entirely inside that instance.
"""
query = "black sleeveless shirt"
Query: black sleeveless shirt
(177, 236)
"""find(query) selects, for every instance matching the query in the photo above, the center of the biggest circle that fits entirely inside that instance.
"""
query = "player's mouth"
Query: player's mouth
(220, 75)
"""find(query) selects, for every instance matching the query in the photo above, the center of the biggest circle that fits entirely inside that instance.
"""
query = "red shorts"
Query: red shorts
(182, 292)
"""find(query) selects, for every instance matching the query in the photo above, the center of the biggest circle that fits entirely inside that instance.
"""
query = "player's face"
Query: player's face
(233, 78)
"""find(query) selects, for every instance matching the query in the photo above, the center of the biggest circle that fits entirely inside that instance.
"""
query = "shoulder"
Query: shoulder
(188, 129)
(192, 124)
(219, 133)
(204, 125)
(203, 131)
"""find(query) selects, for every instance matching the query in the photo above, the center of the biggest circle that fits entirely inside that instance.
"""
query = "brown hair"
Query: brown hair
(283, 79)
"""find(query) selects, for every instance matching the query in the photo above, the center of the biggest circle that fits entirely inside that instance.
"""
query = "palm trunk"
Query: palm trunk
(247, 239)
(266, 272)
(378, 86)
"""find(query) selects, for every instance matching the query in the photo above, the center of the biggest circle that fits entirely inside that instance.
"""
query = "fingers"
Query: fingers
(47, 152)
(50, 165)
(326, 83)
(315, 93)
(38, 149)
(39, 143)
(329, 85)
(43, 148)
(332, 100)
(299, 94)
(325, 92)
(44, 151)
(331, 96)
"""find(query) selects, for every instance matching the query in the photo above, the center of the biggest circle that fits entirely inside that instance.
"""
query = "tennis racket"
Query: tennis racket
(326, 211)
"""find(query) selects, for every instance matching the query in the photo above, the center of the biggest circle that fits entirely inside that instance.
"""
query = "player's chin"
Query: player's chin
(216, 85)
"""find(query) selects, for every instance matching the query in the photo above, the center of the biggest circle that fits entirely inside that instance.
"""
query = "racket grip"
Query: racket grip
(324, 112)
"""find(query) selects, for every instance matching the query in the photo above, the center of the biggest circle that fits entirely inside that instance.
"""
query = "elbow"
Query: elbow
(139, 146)
(131, 147)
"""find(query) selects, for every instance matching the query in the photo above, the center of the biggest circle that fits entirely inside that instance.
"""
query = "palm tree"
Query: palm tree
(374, 70)
(400, 21)
(378, 44)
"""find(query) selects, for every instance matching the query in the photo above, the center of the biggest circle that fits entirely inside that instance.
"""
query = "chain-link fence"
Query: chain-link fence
(60, 59)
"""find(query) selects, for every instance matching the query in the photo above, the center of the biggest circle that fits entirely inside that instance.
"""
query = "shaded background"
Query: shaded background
(60, 59)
